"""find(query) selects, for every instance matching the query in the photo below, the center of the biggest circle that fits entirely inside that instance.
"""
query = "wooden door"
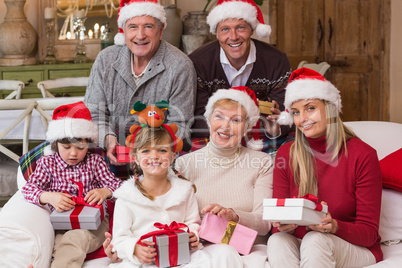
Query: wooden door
(301, 30)
(352, 36)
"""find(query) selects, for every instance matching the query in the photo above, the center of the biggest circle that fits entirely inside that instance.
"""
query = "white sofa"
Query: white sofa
(26, 235)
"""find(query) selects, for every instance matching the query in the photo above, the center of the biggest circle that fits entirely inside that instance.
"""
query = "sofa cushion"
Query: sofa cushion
(391, 170)
(28, 160)
(391, 215)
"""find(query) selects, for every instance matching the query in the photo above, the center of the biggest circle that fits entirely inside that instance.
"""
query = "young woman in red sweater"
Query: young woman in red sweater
(327, 160)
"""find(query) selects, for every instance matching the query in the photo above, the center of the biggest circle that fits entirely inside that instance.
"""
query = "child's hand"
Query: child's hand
(97, 196)
(145, 254)
(60, 201)
(193, 241)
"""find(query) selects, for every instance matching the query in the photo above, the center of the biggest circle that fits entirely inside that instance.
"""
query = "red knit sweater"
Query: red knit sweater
(351, 186)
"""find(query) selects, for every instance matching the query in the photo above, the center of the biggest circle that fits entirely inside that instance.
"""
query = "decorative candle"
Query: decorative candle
(79, 13)
(90, 34)
(96, 30)
(50, 13)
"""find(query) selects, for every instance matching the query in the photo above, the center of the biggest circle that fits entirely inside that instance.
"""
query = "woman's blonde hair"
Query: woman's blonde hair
(302, 158)
(148, 137)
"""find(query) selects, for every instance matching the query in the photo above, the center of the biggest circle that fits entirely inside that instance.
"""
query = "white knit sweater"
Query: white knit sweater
(241, 185)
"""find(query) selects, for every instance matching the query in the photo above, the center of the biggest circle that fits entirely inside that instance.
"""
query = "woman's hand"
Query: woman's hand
(108, 247)
(60, 201)
(329, 225)
(193, 241)
(271, 125)
(145, 254)
(226, 213)
(287, 228)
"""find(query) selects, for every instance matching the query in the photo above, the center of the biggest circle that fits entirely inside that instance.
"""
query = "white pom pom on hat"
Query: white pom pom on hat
(307, 84)
(133, 8)
(246, 97)
(238, 9)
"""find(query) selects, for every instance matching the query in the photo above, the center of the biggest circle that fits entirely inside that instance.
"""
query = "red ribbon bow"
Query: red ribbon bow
(79, 206)
(171, 231)
(318, 206)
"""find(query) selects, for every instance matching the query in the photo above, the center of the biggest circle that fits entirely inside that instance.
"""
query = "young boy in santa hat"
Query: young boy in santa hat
(70, 133)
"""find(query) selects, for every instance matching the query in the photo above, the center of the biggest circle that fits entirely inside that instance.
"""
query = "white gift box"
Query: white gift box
(89, 218)
(298, 211)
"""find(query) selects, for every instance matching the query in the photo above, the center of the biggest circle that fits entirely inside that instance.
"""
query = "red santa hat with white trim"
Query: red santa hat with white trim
(307, 84)
(239, 9)
(246, 97)
(134, 8)
(72, 121)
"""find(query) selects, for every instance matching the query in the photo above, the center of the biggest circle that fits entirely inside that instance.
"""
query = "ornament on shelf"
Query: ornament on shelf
(50, 16)
(79, 30)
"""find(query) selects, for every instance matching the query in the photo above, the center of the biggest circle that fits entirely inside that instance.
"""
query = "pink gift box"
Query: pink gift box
(217, 230)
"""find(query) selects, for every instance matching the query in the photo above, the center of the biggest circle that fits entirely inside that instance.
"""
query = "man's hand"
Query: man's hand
(271, 125)
(60, 201)
(110, 144)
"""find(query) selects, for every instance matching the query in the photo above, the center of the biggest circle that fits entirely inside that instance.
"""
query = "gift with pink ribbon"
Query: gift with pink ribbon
(171, 243)
(306, 210)
(82, 216)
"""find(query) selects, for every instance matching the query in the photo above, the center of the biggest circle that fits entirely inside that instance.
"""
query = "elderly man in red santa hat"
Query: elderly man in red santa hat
(139, 67)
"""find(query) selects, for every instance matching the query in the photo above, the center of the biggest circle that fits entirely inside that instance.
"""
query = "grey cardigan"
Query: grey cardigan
(112, 92)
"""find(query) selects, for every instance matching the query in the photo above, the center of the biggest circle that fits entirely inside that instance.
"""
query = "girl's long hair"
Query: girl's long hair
(147, 137)
(302, 158)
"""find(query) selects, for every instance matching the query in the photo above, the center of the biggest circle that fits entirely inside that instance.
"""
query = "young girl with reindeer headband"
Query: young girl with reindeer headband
(156, 193)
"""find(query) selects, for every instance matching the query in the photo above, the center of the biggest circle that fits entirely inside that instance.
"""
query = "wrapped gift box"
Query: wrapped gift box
(123, 154)
(172, 244)
(80, 217)
(183, 249)
(298, 211)
(217, 230)
(265, 107)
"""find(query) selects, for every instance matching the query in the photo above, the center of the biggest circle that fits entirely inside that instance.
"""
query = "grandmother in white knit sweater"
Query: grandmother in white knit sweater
(231, 180)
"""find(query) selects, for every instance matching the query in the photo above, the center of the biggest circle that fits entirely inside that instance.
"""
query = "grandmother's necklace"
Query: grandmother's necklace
(225, 164)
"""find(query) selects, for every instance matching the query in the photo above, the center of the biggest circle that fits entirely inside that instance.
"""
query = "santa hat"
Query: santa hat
(134, 8)
(239, 9)
(72, 121)
(307, 84)
(246, 97)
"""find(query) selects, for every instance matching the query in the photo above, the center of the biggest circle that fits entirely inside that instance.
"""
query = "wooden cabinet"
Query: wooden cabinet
(32, 74)
(352, 36)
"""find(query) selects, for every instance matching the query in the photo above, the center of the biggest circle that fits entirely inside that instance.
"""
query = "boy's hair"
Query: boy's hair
(150, 136)
(55, 148)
